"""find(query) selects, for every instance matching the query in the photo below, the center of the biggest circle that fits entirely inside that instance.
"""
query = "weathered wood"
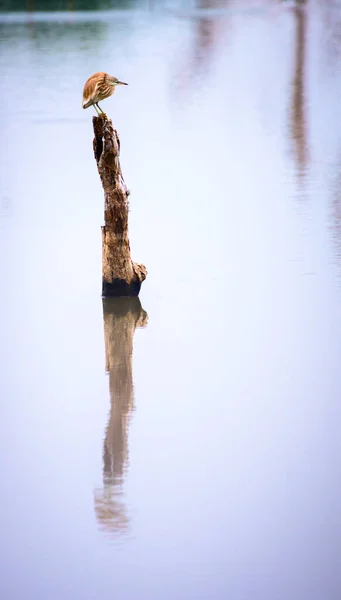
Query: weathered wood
(120, 275)
(121, 317)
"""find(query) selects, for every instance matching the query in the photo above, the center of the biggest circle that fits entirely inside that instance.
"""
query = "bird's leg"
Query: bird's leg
(98, 106)
(98, 113)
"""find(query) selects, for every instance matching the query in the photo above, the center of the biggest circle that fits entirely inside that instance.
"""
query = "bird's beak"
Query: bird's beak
(121, 83)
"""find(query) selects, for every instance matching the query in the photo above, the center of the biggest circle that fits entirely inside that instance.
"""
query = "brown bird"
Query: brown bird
(98, 87)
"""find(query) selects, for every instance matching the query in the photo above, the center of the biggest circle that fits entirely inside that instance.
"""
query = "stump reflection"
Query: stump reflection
(121, 317)
(298, 105)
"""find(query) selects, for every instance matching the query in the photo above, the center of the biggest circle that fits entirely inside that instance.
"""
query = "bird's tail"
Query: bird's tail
(87, 104)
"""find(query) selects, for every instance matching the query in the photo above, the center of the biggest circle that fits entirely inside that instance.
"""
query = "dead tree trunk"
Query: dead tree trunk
(120, 275)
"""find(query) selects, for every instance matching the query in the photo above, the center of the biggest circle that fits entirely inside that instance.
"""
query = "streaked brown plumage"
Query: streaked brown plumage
(98, 87)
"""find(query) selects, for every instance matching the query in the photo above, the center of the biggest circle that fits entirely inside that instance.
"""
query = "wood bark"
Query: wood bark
(121, 317)
(120, 275)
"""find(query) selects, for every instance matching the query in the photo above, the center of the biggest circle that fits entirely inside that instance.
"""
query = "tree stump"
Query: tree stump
(120, 275)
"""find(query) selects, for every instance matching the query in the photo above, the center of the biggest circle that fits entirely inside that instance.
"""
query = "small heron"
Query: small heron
(98, 87)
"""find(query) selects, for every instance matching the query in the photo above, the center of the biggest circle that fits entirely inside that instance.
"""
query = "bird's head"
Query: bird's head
(115, 81)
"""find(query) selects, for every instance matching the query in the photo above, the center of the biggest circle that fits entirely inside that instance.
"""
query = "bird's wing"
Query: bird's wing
(90, 88)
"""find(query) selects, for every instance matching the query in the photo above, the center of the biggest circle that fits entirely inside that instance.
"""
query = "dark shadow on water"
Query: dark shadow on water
(62, 5)
(121, 317)
(52, 36)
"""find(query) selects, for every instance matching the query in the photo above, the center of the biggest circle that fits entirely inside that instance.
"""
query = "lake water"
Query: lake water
(186, 446)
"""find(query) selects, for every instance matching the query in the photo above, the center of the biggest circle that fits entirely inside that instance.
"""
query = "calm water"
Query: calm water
(186, 446)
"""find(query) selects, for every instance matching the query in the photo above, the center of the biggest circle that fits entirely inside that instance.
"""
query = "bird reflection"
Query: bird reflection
(298, 121)
(121, 317)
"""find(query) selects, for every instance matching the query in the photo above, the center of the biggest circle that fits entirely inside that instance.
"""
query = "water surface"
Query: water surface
(187, 445)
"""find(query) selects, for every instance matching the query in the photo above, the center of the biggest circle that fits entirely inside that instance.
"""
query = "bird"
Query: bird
(98, 87)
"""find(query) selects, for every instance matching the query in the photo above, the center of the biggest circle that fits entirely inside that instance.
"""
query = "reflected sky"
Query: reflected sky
(204, 461)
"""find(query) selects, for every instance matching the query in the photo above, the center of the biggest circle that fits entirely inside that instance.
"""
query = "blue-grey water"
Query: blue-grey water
(187, 447)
